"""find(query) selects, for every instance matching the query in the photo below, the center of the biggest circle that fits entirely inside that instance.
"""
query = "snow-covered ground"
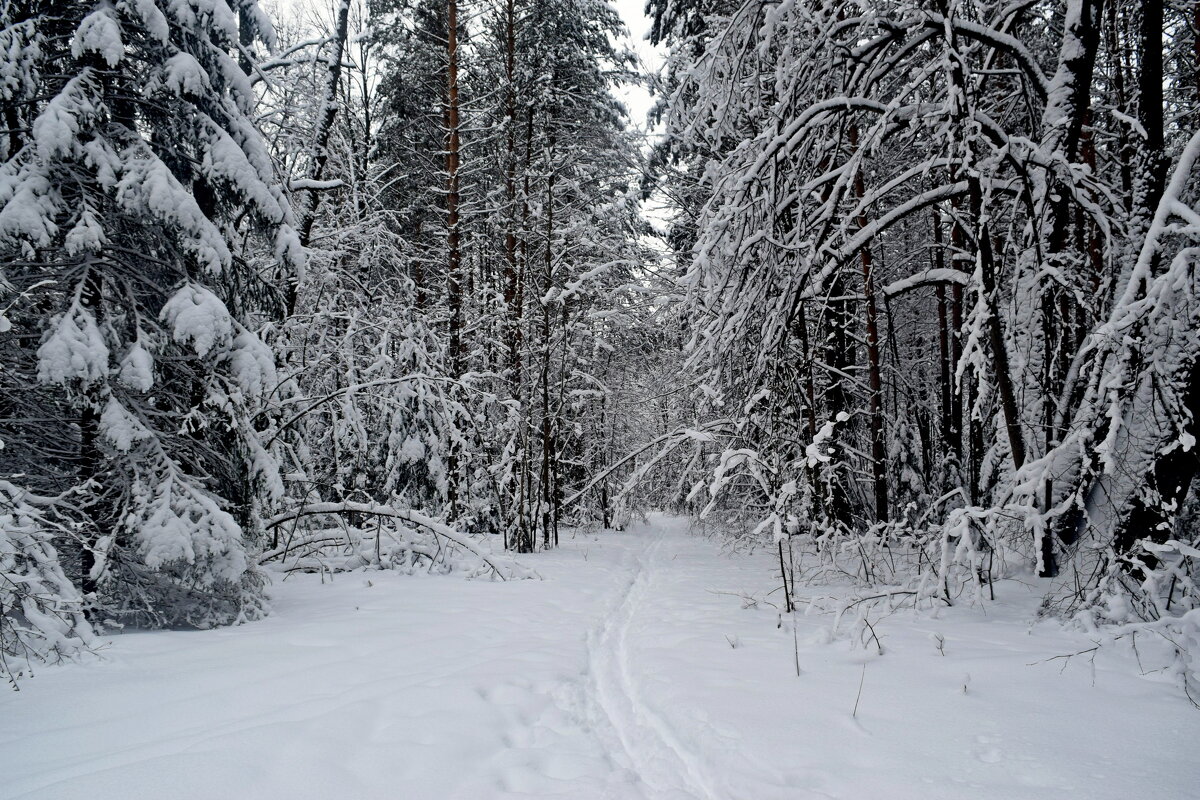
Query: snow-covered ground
(632, 671)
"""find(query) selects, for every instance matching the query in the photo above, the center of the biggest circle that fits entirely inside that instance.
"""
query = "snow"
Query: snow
(152, 17)
(137, 367)
(57, 129)
(185, 76)
(252, 364)
(100, 32)
(147, 187)
(27, 208)
(87, 235)
(50, 624)
(818, 451)
(647, 664)
(181, 524)
(121, 427)
(74, 348)
(197, 316)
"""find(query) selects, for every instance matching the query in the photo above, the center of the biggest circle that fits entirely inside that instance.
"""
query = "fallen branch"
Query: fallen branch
(408, 515)
(308, 541)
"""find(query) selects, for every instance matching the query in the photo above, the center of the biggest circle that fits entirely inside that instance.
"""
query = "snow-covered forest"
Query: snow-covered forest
(883, 321)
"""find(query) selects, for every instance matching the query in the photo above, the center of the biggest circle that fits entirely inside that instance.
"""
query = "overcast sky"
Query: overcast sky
(636, 98)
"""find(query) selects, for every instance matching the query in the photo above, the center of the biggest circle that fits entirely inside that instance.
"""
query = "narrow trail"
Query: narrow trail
(663, 764)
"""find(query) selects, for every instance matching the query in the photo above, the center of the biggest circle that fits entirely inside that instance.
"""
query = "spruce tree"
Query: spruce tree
(133, 186)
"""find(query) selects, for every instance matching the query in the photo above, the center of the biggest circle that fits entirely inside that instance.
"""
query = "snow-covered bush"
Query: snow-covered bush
(41, 611)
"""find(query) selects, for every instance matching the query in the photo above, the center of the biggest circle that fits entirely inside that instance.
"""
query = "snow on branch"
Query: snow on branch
(503, 569)
(666, 444)
(928, 277)
(307, 184)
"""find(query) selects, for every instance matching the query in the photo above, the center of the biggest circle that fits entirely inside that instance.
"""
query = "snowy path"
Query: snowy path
(665, 765)
(632, 672)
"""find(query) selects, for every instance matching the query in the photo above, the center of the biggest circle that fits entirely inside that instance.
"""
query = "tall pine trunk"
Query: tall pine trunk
(512, 302)
(874, 374)
(453, 234)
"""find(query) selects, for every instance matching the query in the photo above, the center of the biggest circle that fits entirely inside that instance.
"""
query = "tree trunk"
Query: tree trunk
(453, 234)
(1000, 364)
(1170, 480)
(90, 458)
(547, 424)
(319, 155)
(512, 307)
(454, 290)
(1150, 105)
(874, 375)
(950, 437)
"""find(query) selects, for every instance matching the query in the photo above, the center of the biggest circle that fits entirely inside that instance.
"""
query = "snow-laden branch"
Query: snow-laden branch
(928, 277)
(285, 59)
(505, 570)
(308, 184)
(921, 201)
(668, 441)
(1001, 41)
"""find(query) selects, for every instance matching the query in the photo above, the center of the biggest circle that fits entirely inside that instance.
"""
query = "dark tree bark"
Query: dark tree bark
(453, 185)
(310, 198)
(874, 374)
(1150, 105)
(512, 301)
(1151, 515)
(951, 440)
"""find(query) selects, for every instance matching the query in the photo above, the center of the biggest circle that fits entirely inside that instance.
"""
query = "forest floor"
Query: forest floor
(647, 665)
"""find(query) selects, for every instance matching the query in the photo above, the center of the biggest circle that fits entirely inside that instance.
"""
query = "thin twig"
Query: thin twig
(861, 679)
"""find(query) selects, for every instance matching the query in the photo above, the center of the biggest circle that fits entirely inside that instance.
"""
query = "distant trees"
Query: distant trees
(504, 147)
(474, 232)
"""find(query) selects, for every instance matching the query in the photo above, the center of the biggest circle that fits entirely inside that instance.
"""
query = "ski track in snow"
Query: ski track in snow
(633, 672)
(661, 761)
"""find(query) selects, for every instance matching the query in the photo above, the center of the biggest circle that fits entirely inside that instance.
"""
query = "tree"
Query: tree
(991, 172)
(134, 182)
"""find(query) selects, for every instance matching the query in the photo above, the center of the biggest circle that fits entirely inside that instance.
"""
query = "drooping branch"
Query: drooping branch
(504, 571)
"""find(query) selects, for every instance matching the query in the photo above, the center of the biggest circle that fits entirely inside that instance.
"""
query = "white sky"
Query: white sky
(637, 98)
